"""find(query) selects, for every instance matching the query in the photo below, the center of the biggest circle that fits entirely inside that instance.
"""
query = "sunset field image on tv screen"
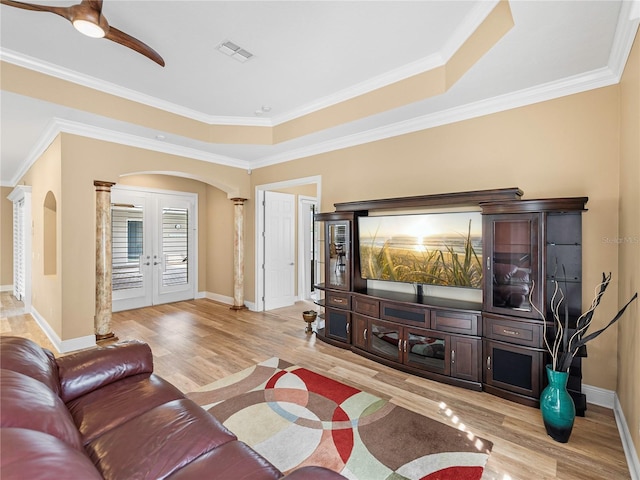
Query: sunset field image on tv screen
(433, 249)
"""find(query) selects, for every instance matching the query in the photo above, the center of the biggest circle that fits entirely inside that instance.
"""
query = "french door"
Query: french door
(153, 247)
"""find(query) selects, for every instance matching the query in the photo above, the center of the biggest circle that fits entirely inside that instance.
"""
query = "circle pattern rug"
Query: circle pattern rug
(295, 417)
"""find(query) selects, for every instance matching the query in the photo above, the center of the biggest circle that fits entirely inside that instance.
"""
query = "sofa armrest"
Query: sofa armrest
(83, 372)
(313, 473)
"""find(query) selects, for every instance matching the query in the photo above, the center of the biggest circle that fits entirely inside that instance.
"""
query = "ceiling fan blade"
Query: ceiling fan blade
(62, 11)
(94, 4)
(122, 38)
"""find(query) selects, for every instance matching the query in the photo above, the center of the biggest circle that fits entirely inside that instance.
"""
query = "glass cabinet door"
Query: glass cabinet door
(428, 350)
(385, 339)
(512, 264)
(337, 255)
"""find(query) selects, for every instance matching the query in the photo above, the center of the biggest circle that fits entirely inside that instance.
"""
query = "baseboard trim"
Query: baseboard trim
(599, 396)
(6, 288)
(226, 300)
(216, 297)
(609, 399)
(62, 346)
(627, 441)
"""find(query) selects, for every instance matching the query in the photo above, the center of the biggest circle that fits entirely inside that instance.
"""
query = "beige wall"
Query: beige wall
(6, 238)
(564, 147)
(219, 227)
(628, 385)
(46, 290)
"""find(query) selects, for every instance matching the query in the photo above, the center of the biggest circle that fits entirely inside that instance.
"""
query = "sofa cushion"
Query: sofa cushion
(82, 372)
(232, 460)
(39, 456)
(108, 407)
(27, 357)
(27, 403)
(157, 442)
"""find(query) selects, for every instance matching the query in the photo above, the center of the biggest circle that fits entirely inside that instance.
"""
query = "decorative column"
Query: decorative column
(238, 254)
(103, 261)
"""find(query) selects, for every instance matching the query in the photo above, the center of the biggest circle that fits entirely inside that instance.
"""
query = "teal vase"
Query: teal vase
(557, 407)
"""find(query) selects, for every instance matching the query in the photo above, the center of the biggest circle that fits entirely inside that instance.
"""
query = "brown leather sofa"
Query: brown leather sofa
(103, 413)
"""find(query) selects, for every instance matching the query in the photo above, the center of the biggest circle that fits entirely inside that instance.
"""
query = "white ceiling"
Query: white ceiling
(307, 55)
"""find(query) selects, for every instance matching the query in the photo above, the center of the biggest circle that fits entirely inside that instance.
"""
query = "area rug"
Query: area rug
(295, 417)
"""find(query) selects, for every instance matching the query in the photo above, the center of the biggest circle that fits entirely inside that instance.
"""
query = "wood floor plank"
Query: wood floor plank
(197, 342)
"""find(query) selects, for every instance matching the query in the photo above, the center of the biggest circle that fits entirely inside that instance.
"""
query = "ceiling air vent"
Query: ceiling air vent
(234, 51)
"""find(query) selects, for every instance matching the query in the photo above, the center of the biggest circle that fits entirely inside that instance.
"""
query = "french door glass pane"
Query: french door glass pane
(175, 246)
(126, 247)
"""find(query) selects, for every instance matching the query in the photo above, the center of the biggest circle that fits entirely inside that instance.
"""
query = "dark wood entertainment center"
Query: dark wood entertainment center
(496, 344)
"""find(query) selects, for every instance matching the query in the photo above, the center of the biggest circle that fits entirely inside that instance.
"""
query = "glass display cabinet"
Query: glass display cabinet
(336, 231)
(529, 245)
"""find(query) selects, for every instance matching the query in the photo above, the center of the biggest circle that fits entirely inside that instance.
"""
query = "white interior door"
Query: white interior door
(153, 248)
(279, 250)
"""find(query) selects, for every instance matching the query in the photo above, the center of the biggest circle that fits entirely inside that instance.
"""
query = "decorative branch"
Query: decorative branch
(565, 347)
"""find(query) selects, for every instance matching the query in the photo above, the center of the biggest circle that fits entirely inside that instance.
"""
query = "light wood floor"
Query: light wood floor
(197, 342)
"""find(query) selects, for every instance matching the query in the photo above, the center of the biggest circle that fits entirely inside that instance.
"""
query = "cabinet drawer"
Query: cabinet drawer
(513, 331)
(456, 322)
(366, 306)
(403, 313)
(338, 300)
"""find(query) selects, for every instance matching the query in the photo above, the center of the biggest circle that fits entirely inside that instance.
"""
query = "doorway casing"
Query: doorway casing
(260, 190)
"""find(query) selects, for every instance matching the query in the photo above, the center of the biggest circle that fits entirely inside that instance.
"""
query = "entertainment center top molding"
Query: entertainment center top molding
(475, 198)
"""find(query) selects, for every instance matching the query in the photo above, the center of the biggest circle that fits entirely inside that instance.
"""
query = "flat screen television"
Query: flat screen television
(432, 249)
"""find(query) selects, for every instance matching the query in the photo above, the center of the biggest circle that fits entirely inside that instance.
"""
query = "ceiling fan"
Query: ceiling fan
(87, 18)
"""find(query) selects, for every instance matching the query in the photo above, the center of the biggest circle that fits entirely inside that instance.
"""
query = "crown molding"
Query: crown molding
(56, 71)
(59, 125)
(628, 21)
(99, 133)
(48, 136)
(580, 83)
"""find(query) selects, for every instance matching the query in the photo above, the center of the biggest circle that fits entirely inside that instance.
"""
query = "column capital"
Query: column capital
(102, 185)
(238, 200)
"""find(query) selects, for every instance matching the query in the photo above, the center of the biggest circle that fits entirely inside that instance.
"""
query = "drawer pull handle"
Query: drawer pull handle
(453, 356)
(489, 363)
(399, 345)
(365, 334)
(338, 300)
(510, 332)
(405, 346)
(348, 329)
